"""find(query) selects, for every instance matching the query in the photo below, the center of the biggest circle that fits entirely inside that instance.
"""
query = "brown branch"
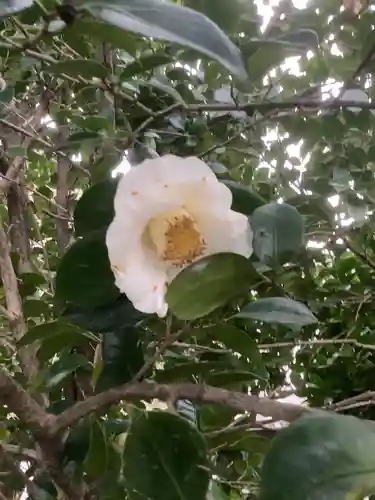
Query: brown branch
(62, 201)
(193, 392)
(19, 401)
(314, 104)
(13, 301)
(32, 122)
(249, 108)
(17, 202)
(39, 423)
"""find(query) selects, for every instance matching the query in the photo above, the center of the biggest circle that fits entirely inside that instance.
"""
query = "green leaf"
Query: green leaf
(145, 63)
(302, 39)
(65, 366)
(186, 371)
(54, 336)
(79, 67)
(230, 378)
(11, 7)
(241, 440)
(244, 201)
(77, 140)
(226, 14)
(122, 357)
(96, 459)
(278, 232)
(84, 276)
(321, 456)
(241, 342)
(106, 318)
(51, 329)
(278, 310)
(95, 210)
(207, 284)
(103, 32)
(164, 459)
(170, 22)
(77, 443)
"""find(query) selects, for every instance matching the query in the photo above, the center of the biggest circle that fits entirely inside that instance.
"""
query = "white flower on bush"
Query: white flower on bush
(169, 212)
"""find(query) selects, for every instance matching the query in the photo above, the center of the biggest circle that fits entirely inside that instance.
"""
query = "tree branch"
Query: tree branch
(313, 104)
(13, 301)
(39, 423)
(19, 401)
(31, 122)
(194, 392)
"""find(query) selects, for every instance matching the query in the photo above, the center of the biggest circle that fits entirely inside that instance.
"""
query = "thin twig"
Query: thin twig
(168, 341)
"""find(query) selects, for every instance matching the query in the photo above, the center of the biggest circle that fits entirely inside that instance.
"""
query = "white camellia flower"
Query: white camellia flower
(169, 212)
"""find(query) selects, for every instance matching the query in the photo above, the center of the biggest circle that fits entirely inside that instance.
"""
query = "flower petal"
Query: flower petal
(138, 273)
(230, 233)
(144, 284)
(206, 196)
(160, 173)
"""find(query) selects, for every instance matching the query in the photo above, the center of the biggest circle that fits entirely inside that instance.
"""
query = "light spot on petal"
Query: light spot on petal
(134, 193)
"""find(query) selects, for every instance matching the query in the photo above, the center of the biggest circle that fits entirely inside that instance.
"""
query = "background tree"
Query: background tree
(277, 99)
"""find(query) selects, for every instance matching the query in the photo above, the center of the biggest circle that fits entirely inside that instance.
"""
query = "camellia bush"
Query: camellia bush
(187, 252)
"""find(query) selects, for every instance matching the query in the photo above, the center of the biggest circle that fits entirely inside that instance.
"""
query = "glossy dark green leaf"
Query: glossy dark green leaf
(207, 284)
(146, 63)
(164, 459)
(245, 200)
(241, 342)
(79, 139)
(79, 67)
(170, 22)
(61, 369)
(278, 232)
(94, 209)
(242, 440)
(188, 370)
(29, 283)
(84, 276)
(122, 357)
(77, 443)
(321, 456)
(53, 329)
(224, 14)
(103, 32)
(230, 378)
(278, 310)
(96, 460)
(303, 39)
(110, 317)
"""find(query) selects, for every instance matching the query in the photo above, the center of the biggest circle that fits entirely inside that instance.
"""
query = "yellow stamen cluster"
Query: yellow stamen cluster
(176, 237)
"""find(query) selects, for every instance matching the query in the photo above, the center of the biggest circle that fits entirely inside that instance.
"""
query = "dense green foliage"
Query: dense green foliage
(283, 116)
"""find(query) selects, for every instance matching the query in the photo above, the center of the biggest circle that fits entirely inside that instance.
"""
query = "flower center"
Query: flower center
(176, 237)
